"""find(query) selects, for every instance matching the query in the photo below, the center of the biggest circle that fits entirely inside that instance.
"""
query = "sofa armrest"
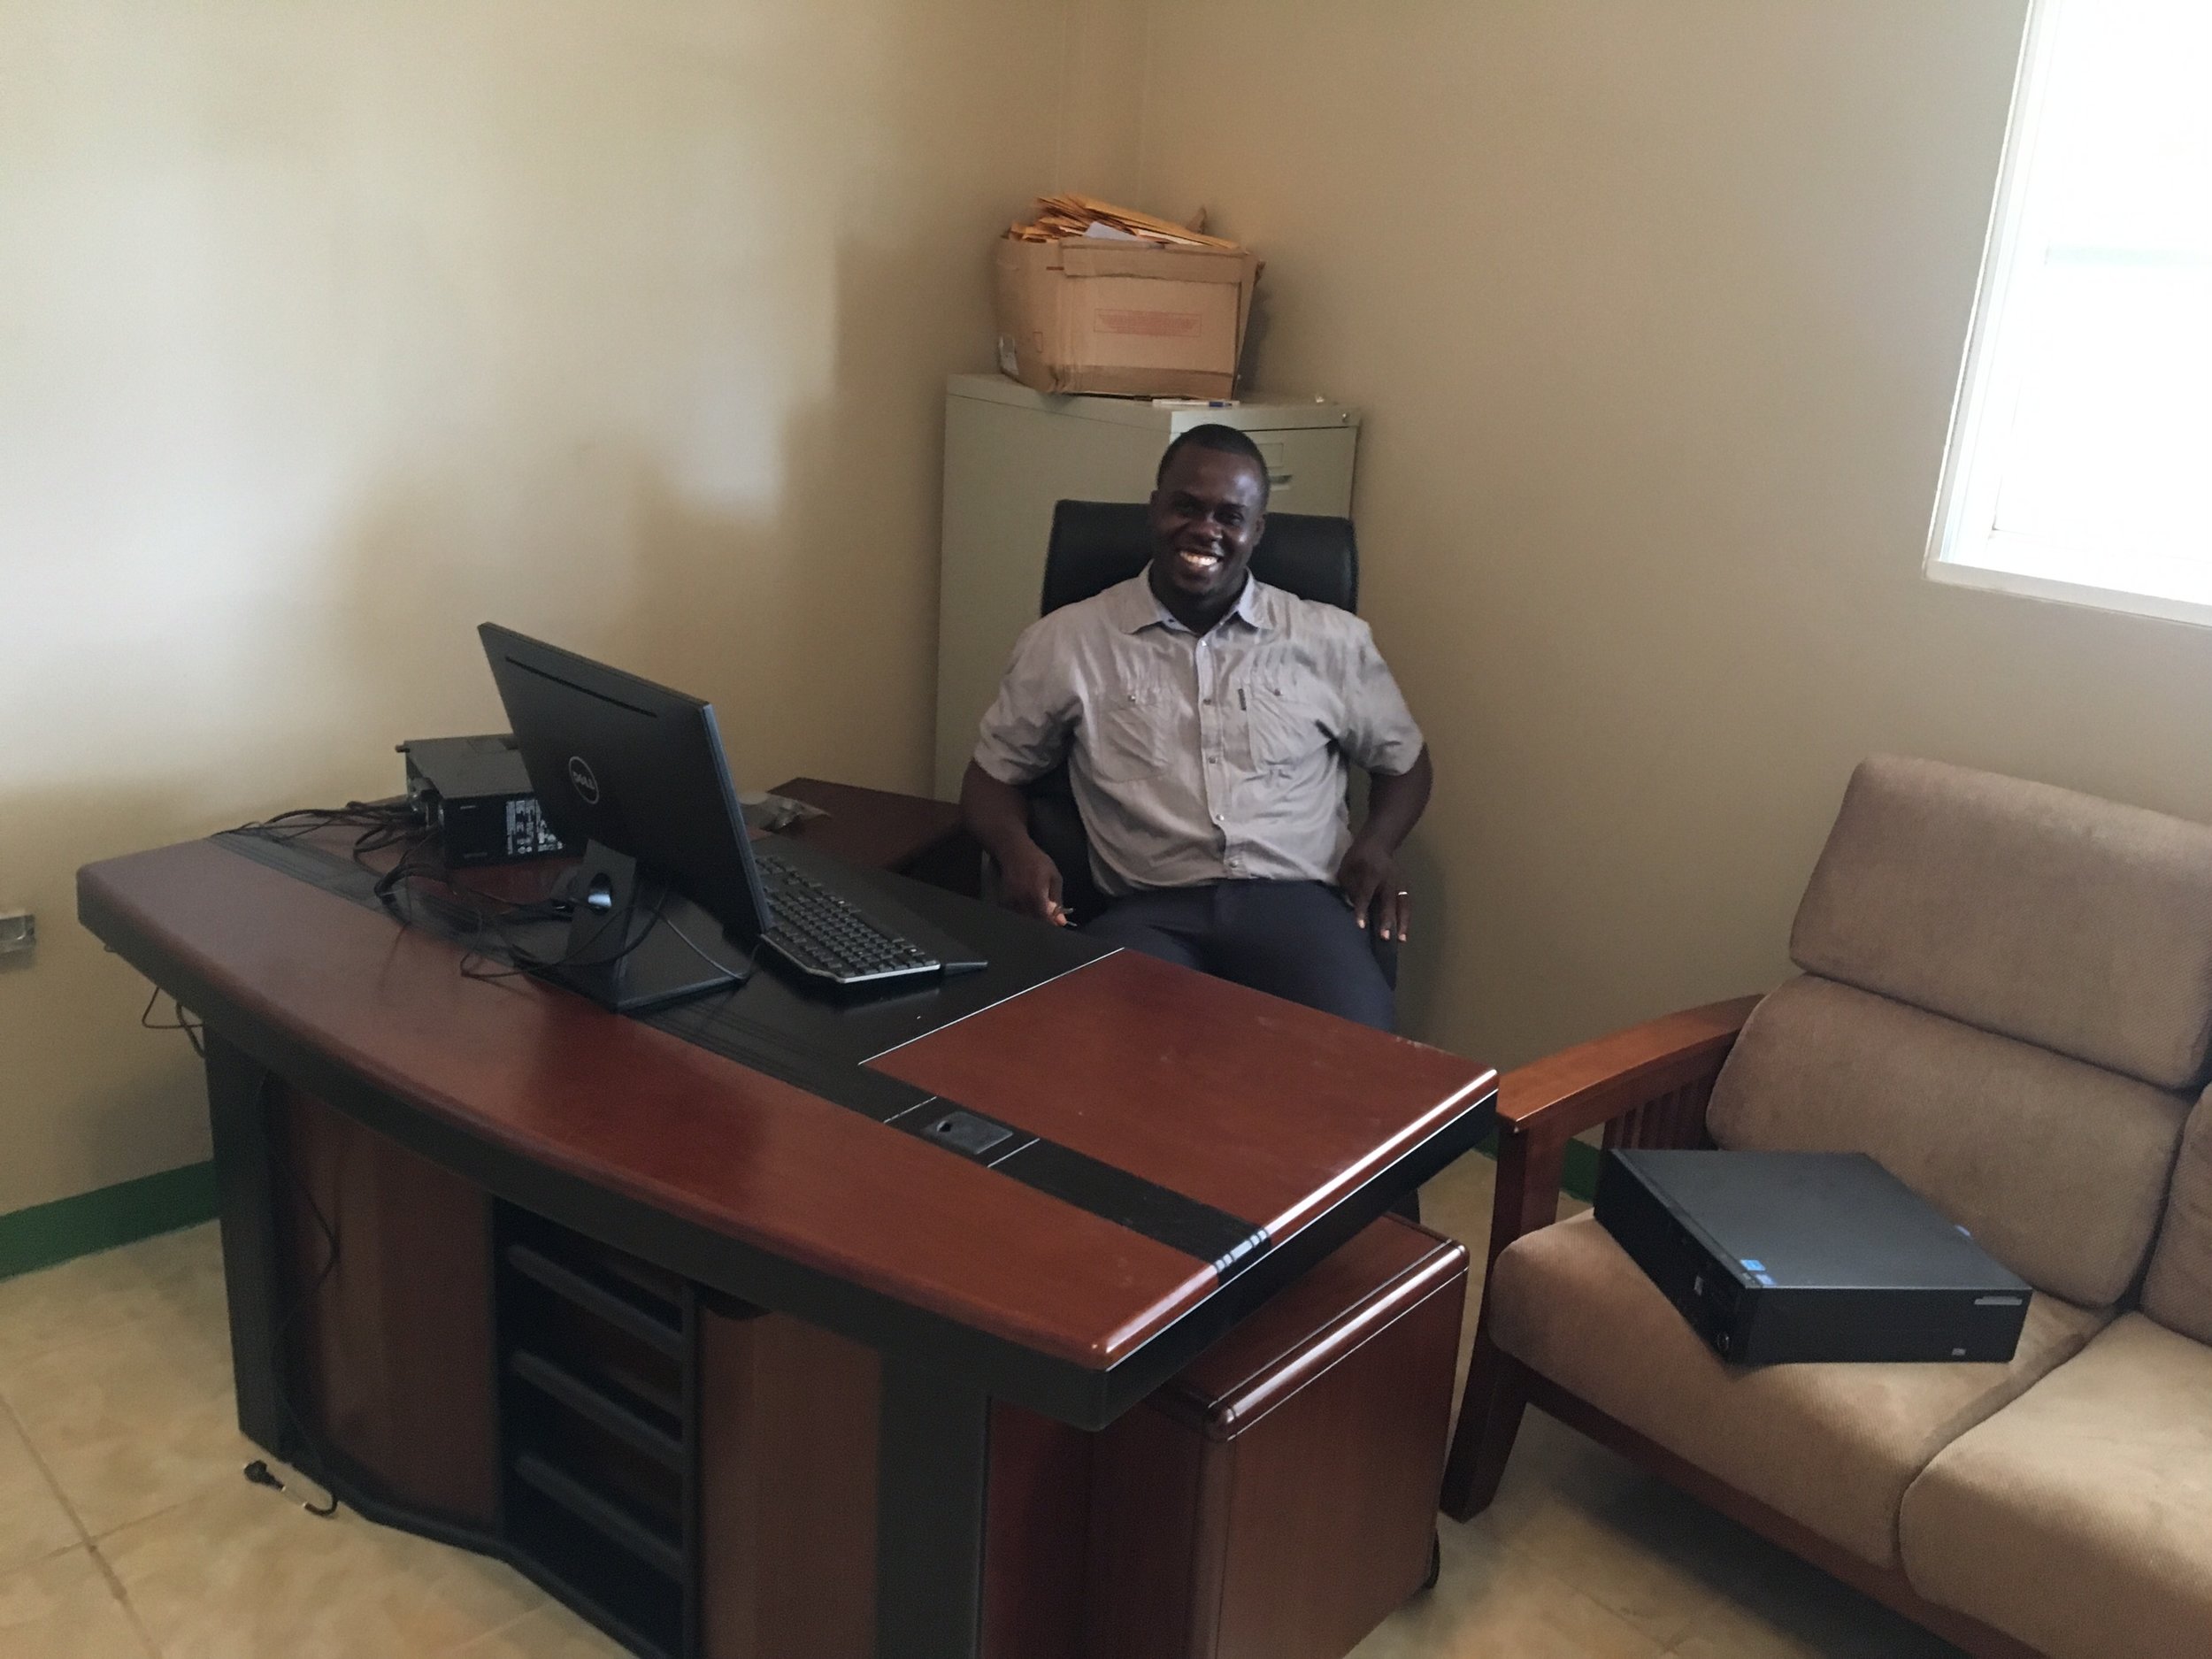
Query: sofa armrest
(1648, 1085)
(1595, 1082)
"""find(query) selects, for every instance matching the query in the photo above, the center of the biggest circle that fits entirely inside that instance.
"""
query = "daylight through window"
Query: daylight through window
(2080, 460)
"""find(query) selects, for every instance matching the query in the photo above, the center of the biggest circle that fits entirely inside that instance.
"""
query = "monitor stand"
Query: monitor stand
(634, 942)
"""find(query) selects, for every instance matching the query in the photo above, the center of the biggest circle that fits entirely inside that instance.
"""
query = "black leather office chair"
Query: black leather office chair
(1097, 544)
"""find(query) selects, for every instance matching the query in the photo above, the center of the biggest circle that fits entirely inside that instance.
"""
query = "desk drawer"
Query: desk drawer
(1277, 1500)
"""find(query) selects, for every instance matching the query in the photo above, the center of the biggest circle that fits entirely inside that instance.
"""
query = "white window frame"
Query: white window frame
(1966, 499)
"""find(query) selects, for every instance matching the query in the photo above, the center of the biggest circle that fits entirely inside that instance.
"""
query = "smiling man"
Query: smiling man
(1208, 720)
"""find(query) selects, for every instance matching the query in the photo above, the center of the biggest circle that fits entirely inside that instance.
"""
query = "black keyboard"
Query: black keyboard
(822, 933)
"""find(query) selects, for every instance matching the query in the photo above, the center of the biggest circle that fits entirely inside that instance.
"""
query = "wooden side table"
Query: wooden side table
(907, 834)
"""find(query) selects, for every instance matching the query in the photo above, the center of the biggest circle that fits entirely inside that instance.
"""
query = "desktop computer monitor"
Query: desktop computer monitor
(635, 774)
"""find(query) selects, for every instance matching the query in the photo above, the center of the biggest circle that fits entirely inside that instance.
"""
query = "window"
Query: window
(2080, 458)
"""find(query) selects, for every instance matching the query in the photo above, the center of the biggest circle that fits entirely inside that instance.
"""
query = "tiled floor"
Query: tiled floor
(126, 1531)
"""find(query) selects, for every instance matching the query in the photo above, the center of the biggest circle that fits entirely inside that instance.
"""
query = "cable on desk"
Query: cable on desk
(373, 818)
(383, 825)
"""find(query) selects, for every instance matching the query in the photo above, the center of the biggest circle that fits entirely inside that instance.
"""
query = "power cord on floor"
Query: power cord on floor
(259, 1472)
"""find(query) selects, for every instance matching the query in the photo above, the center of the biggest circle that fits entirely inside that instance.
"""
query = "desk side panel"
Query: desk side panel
(1037, 1524)
(255, 1281)
(788, 1455)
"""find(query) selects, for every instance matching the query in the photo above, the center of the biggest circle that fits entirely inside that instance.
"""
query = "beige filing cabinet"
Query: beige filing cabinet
(1010, 453)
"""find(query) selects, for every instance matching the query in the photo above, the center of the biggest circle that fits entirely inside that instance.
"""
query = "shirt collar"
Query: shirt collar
(1138, 607)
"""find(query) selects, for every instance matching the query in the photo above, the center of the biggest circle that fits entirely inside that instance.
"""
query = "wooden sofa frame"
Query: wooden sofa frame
(1648, 1086)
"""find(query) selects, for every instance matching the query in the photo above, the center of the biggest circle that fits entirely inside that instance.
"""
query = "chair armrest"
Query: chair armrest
(1648, 1085)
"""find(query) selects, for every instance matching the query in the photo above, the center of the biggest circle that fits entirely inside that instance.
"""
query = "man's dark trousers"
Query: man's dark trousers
(1295, 939)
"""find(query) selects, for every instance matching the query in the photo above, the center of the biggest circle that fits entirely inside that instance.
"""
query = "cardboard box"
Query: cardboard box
(1123, 318)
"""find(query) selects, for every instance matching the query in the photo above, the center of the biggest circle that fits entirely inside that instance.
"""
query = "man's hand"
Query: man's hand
(1367, 875)
(996, 815)
(1030, 882)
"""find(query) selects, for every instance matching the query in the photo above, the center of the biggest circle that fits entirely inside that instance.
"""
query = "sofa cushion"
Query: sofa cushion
(2080, 1518)
(2059, 1169)
(2178, 1290)
(1832, 1446)
(2066, 921)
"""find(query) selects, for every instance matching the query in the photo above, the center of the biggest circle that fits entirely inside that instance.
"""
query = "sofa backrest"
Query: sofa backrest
(2058, 1168)
(2077, 925)
(2178, 1292)
(2007, 986)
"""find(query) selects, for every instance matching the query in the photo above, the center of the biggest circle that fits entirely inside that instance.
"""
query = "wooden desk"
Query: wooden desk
(454, 1120)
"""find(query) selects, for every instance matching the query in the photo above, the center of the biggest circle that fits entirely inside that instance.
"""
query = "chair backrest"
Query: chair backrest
(2006, 1000)
(1097, 544)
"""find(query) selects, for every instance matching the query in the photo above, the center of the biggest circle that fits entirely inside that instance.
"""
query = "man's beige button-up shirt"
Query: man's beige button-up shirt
(1201, 757)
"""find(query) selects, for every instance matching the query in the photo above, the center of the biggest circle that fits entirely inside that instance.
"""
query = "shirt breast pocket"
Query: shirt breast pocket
(1130, 741)
(1284, 724)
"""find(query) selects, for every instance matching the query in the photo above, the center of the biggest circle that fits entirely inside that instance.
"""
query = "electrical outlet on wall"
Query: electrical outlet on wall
(19, 933)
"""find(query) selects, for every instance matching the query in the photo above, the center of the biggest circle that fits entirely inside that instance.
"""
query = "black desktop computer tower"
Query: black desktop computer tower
(476, 793)
(1779, 1256)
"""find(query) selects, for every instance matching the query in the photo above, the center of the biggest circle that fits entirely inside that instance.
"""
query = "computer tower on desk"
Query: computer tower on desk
(1010, 453)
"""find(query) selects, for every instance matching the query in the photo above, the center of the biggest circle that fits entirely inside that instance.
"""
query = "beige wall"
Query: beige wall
(327, 331)
(1656, 307)
(330, 331)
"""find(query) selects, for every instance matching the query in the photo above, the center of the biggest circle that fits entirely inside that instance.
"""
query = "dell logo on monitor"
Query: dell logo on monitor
(585, 782)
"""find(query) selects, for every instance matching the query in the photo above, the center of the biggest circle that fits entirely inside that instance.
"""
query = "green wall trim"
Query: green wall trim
(1577, 1178)
(1580, 1175)
(99, 1220)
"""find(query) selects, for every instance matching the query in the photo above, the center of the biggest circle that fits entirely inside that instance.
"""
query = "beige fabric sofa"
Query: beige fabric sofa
(2006, 999)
